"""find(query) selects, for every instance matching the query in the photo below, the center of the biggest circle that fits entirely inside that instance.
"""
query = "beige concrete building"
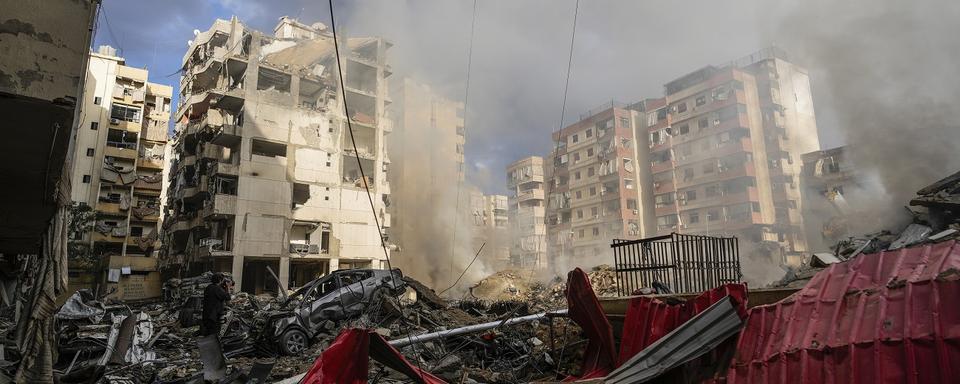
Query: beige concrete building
(490, 227)
(725, 152)
(43, 57)
(527, 213)
(118, 172)
(594, 181)
(264, 173)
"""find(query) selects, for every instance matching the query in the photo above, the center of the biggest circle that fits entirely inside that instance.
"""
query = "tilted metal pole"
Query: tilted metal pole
(404, 341)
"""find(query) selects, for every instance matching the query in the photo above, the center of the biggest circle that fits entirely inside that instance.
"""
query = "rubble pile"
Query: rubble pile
(936, 218)
(522, 285)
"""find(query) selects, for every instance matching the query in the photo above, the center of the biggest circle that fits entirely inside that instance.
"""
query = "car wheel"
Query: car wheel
(293, 342)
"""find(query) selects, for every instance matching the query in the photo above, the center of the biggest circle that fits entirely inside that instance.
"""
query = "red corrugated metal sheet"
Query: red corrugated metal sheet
(892, 317)
(648, 319)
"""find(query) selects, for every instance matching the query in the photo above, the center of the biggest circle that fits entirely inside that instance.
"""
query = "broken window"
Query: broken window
(703, 124)
(579, 214)
(268, 79)
(690, 194)
(301, 193)
(701, 100)
(86, 179)
(589, 132)
(575, 138)
(267, 148)
(579, 195)
(589, 152)
(94, 125)
(632, 204)
(683, 129)
(628, 164)
(693, 218)
(682, 107)
(227, 185)
(667, 222)
(664, 200)
(125, 113)
(624, 122)
(590, 171)
(596, 231)
(96, 100)
(90, 151)
(576, 175)
(687, 174)
(593, 191)
(661, 114)
(595, 212)
(628, 183)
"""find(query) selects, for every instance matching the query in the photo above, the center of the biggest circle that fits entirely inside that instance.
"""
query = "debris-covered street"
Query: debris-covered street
(469, 191)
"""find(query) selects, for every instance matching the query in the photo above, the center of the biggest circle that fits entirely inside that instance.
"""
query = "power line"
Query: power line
(466, 99)
(353, 141)
(465, 269)
(113, 36)
(563, 106)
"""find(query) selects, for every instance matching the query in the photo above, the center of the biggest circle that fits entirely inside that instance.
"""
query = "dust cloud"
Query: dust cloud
(886, 72)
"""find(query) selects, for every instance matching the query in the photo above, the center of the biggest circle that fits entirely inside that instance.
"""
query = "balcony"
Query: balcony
(533, 194)
(747, 169)
(109, 208)
(661, 166)
(219, 206)
(150, 163)
(666, 209)
(135, 263)
(750, 195)
(123, 125)
(227, 169)
(121, 150)
(98, 237)
(143, 184)
(305, 249)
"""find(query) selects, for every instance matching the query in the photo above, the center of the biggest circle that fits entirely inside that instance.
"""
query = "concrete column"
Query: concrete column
(237, 271)
(284, 273)
(334, 264)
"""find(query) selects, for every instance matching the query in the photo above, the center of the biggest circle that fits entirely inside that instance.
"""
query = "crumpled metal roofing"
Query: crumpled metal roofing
(893, 316)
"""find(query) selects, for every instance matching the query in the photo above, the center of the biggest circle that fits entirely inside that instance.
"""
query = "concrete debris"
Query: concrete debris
(936, 218)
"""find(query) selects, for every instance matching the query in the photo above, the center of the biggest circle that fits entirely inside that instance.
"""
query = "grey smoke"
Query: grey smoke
(887, 71)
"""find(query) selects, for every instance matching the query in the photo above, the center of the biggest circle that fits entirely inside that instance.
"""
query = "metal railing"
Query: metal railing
(684, 263)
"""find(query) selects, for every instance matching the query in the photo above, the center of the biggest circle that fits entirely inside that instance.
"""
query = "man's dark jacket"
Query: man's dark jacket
(213, 298)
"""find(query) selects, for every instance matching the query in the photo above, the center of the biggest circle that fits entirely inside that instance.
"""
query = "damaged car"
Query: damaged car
(337, 296)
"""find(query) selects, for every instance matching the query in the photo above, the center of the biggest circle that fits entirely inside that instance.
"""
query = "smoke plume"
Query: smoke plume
(886, 71)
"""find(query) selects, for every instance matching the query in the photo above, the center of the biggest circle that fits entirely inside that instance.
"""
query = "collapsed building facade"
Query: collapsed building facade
(118, 177)
(43, 57)
(264, 175)
(527, 213)
(725, 152)
(828, 177)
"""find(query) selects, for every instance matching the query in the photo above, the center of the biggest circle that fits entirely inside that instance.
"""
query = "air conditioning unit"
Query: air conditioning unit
(114, 121)
(636, 211)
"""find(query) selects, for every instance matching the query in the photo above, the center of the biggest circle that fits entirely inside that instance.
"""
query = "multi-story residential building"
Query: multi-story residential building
(490, 227)
(118, 172)
(265, 176)
(828, 177)
(426, 174)
(725, 151)
(527, 213)
(593, 182)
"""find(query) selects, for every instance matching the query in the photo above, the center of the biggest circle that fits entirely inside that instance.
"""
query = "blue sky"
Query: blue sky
(624, 50)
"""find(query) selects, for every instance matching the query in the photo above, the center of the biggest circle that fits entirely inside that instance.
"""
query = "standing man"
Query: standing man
(214, 296)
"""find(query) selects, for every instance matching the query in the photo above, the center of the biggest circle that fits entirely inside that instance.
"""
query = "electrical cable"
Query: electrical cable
(465, 269)
(460, 171)
(356, 153)
(113, 36)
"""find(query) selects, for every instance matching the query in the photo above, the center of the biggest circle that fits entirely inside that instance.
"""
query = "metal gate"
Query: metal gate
(684, 263)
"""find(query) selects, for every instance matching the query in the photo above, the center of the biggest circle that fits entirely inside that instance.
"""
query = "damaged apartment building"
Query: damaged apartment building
(264, 178)
(725, 152)
(593, 180)
(118, 177)
(527, 213)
